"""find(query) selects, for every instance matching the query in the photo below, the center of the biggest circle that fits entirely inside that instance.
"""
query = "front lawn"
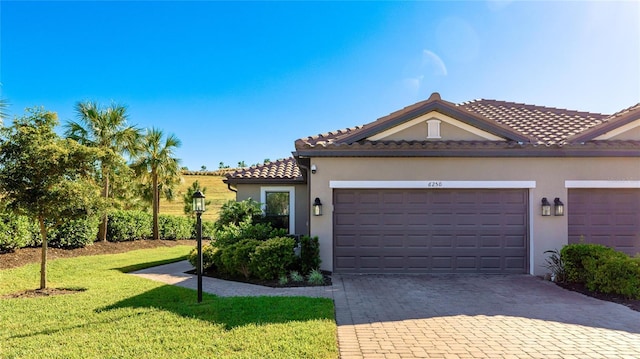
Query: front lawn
(123, 316)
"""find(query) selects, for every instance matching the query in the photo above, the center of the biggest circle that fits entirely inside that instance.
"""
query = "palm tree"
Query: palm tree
(106, 129)
(157, 163)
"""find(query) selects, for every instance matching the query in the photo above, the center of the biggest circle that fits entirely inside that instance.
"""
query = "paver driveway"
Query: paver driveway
(476, 316)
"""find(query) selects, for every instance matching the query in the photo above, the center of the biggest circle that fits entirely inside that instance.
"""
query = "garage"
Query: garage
(607, 216)
(430, 230)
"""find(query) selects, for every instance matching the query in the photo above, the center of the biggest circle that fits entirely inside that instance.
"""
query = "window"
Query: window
(433, 129)
(278, 206)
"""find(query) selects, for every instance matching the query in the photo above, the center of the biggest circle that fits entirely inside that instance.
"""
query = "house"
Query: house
(483, 186)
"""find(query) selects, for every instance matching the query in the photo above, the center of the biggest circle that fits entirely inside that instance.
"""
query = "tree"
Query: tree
(157, 164)
(188, 198)
(203, 168)
(242, 164)
(106, 129)
(3, 106)
(46, 177)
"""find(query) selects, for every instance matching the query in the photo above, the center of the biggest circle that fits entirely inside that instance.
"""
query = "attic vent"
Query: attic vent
(433, 128)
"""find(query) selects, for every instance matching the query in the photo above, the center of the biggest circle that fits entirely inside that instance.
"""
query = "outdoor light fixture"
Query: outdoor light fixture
(198, 202)
(546, 207)
(198, 208)
(558, 207)
(314, 169)
(317, 207)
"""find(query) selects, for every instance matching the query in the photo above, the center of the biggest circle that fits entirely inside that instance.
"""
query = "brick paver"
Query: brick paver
(475, 316)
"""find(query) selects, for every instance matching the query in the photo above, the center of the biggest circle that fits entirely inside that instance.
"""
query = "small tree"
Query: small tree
(46, 177)
(156, 164)
(188, 198)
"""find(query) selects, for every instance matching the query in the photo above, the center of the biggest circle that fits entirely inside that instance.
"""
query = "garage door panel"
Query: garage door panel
(430, 231)
(607, 216)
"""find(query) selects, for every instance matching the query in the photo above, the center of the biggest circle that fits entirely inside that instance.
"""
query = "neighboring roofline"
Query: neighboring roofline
(236, 181)
(611, 123)
(434, 103)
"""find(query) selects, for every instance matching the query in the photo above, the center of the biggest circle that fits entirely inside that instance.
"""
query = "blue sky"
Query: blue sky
(243, 80)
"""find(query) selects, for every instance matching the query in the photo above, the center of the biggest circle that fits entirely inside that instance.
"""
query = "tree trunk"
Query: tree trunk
(102, 229)
(155, 204)
(43, 262)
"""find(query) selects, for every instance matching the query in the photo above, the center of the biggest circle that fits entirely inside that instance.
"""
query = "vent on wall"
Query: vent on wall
(433, 128)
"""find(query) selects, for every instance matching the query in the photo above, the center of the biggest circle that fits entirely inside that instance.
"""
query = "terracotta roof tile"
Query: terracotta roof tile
(542, 125)
(283, 169)
(547, 125)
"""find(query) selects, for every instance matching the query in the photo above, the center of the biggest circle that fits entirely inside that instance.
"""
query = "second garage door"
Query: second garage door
(430, 231)
(607, 216)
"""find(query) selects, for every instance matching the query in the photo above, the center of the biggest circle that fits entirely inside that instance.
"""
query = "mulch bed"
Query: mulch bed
(47, 292)
(273, 283)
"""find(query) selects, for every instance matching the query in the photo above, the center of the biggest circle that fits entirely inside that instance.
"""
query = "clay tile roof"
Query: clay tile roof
(547, 125)
(285, 170)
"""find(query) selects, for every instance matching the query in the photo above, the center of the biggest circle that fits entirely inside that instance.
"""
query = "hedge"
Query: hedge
(602, 269)
(174, 227)
(75, 233)
(16, 232)
(125, 226)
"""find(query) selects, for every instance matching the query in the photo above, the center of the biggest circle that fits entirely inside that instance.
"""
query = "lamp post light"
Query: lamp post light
(198, 208)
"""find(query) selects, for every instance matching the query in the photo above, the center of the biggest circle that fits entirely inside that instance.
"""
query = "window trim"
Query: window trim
(292, 202)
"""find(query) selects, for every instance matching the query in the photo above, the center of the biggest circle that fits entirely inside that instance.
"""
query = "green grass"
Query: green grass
(217, 193)
(124, 316)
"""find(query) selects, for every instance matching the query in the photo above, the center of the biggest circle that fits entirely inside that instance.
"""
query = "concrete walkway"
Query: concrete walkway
(453, 316)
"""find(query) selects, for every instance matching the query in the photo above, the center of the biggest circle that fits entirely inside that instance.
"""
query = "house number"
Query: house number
(434, 184)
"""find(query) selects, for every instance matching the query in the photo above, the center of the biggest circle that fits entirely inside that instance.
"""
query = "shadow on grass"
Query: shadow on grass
(140, 266)
(231, 312)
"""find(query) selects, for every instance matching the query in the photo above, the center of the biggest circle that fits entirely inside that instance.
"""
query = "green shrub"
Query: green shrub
(175, 227)
(283, 280)
(15, 232)
(315, 277)
(309, 254)
(236, 258)
(272, 257)
(555, 264)
(236, 212)
(210, 257)
(76, 233)
(578, 256)
(208, 230)
(296, 276)
(617, 275)
(232, 233)
(128, 226)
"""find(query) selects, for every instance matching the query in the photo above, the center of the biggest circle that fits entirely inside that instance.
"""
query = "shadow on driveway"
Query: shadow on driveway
(362, 299)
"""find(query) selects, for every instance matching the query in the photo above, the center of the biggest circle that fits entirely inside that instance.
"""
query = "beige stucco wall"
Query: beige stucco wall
(633, 134)
(419, 132)
(302, 209)
(549, 175)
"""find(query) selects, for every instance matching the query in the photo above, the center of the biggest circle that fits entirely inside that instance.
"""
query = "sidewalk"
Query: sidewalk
(174, 274)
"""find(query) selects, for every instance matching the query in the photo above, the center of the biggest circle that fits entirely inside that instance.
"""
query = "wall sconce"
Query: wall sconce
(314, 169)
(317, 207)
(558, 207)
(546, 207)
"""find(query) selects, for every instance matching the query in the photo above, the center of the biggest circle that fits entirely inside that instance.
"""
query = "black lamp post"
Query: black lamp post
(198, 208)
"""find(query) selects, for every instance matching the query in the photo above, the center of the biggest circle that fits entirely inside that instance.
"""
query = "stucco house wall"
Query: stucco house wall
(549, 175)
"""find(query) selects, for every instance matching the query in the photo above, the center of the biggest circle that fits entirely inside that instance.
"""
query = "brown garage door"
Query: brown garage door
(605, 216)
(430, 231)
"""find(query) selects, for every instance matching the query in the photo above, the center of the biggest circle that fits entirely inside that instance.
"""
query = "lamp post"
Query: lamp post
(198, 208)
